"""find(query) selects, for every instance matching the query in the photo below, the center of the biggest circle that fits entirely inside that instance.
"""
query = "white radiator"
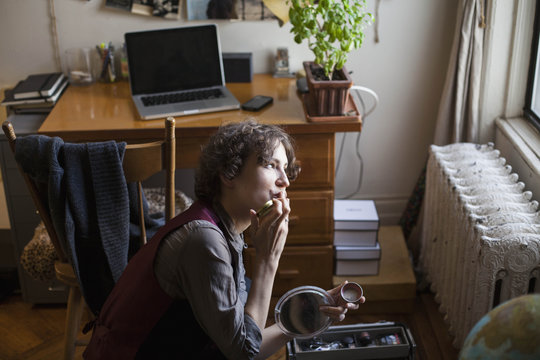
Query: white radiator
(480, 242)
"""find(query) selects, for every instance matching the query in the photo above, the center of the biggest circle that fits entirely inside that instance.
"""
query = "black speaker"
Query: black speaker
(238, 67)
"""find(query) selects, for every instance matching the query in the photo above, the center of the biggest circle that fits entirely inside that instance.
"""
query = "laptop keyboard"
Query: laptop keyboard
(181, 97)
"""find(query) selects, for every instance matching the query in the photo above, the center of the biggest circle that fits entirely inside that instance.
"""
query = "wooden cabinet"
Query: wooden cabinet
(308, 257)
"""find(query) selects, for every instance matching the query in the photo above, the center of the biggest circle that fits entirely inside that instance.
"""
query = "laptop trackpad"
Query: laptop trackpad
(189, 108)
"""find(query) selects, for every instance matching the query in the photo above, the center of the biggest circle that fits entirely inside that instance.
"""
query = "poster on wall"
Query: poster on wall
(228, 9)
(167, 9)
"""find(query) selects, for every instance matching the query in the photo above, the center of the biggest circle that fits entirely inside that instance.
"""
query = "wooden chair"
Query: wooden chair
(140, 162)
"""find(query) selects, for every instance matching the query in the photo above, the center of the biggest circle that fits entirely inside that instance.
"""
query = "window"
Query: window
(532, 99)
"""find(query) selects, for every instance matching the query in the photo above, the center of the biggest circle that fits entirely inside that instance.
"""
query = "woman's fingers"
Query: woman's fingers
(270, 230)
(336, 313)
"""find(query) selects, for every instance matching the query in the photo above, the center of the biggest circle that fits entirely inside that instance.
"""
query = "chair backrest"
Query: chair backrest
(140, 162)
(39, 196)
(144, 160)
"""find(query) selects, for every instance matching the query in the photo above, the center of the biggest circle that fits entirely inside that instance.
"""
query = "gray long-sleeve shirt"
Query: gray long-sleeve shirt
(203, 264)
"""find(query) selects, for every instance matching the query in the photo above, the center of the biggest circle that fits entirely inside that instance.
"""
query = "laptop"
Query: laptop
(178, 71)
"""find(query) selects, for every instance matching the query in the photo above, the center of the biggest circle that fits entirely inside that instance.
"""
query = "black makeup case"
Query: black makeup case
(381, 340)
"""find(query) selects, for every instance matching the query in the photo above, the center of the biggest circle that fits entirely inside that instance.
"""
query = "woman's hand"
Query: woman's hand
(337, 312)
(269, 232)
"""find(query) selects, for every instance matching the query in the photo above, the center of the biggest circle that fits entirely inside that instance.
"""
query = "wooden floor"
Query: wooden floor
(36, 332)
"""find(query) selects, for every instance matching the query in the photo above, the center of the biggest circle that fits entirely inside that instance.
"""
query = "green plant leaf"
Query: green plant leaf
(332, 28)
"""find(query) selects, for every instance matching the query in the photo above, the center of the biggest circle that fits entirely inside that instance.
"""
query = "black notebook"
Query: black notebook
(9, 96)
(52, 84)
(37, 85)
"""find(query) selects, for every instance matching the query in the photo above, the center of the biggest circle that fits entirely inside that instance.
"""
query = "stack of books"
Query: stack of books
(38, 93)
(356, 247)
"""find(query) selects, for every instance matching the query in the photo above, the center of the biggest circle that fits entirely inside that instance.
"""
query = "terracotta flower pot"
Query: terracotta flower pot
(327, 97)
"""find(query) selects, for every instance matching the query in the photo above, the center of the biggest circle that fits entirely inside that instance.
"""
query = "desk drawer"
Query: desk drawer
(310, 221)
(311, 218)
(315, 152)
(298, 266)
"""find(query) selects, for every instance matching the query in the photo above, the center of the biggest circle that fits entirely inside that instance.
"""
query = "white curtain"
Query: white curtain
(458, 117)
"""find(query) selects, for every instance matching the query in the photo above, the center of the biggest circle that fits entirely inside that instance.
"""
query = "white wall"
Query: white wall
(406, 68)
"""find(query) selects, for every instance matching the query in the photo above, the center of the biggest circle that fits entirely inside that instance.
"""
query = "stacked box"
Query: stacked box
(356, 247)
(393, 289)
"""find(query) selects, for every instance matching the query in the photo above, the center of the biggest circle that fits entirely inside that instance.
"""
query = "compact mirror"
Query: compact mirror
(297, 312)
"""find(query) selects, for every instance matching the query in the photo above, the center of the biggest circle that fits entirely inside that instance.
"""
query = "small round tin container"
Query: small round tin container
(351, 292)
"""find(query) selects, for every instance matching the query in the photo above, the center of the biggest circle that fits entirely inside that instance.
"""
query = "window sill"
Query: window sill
(519, 143)
(525, 139)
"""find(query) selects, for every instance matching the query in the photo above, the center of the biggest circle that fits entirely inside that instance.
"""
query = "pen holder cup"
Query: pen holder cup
(107, 69)
(79, 67)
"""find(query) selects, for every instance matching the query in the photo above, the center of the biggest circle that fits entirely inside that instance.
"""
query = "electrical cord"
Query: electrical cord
(54, 32)
(365, 114)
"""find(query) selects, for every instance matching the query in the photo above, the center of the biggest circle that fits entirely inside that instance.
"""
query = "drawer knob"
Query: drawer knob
(288, 274)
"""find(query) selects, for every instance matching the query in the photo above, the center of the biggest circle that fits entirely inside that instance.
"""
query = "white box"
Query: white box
(358, 252)
(357, 260)
(355, 237)
(357, 267)
(355, 215)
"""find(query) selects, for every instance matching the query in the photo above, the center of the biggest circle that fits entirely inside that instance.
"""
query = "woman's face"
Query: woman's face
(258, 183)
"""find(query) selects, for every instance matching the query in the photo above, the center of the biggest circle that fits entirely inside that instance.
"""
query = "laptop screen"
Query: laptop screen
(174, 59)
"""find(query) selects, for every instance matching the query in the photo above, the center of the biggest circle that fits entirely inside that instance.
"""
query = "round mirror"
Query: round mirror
(297, 312)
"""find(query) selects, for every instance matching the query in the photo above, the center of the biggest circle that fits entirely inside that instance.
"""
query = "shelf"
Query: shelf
(394, 288)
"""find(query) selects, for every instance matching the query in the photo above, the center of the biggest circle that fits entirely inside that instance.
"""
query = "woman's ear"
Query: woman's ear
(225, 181)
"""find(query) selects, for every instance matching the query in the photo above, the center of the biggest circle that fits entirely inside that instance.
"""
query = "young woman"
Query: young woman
(184, 294)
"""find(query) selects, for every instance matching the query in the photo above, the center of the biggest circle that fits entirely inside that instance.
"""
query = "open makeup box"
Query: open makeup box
(382, 340)
(297, 314)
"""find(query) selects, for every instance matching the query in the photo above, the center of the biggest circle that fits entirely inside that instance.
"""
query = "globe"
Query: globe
(509, 331)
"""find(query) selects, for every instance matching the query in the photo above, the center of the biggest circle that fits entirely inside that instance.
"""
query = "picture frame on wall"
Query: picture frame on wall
(228, 9)
(242, 10)
(119, 4)
(167, 9)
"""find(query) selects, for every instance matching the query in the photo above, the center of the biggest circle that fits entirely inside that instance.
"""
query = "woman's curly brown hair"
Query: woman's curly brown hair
(228, 149)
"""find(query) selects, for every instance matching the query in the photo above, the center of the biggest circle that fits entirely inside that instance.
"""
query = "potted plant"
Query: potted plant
(332, 28)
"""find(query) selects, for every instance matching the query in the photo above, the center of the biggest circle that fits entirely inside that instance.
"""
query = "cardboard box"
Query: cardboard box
(356, 267)
(357, 260)
(355, 237)
(358, 252)
(355, 215)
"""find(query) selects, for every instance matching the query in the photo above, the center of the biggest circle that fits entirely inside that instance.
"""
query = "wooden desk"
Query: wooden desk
(105, 111)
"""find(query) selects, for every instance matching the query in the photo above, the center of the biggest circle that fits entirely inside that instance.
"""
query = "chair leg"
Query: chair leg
(73, 321)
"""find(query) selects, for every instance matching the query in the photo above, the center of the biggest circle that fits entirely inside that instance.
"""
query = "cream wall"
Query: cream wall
(406, 69)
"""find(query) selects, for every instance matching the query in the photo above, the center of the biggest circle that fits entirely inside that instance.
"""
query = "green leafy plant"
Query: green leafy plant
(332, 28)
